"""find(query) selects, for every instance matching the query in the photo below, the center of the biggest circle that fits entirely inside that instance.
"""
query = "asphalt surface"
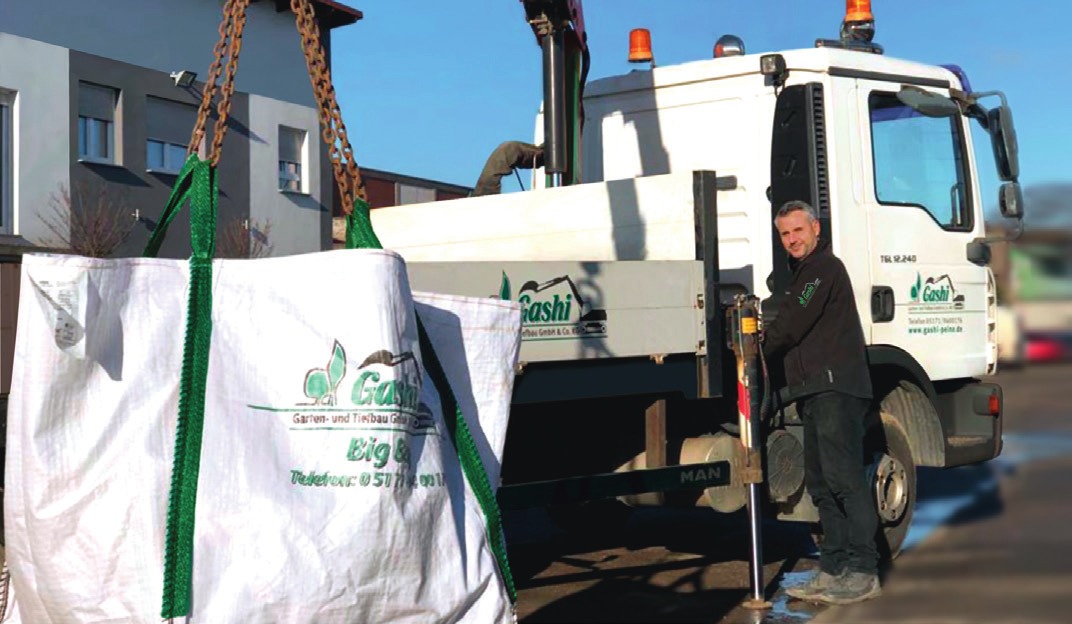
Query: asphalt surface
(989, 543)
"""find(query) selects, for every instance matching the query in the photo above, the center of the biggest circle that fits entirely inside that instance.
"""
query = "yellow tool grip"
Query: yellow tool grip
(748, 325)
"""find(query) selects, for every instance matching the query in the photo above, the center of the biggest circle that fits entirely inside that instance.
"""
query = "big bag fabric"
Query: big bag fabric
(329, 487)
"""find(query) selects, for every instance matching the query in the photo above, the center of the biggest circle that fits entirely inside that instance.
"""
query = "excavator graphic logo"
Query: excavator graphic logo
(555, 310)
(936, 290)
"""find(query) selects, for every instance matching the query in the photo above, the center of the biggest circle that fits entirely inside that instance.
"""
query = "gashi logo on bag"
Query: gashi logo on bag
(373, 388)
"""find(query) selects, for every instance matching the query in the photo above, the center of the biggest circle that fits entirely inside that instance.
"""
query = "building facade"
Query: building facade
(385, 189)
(94, 109)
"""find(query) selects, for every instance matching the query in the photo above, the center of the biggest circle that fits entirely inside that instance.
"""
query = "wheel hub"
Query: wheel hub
(891, 489)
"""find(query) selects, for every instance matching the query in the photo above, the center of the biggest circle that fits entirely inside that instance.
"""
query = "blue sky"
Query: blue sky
(430, 88)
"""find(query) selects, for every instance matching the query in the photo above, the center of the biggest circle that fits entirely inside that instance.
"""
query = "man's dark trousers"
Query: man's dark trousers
(834, 474)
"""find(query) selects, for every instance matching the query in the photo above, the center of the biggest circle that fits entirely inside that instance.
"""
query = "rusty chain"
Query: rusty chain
(333, 130)
(209, 90)
(238, 24)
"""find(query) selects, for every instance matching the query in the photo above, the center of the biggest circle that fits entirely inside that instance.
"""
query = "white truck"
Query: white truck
(625, 258)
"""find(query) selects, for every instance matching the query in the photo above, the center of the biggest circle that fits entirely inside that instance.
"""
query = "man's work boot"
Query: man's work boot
(818, 584)
(850, 588)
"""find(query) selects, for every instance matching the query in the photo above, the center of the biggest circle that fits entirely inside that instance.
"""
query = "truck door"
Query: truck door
(921, 202)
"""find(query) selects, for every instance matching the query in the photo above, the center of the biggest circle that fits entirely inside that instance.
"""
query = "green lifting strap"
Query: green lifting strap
(196, 182)
(360, 235)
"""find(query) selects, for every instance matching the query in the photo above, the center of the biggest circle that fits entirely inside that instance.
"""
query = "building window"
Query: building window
(291, 158)
(408, 194)
(169, 126)
(96, 123)
(7, 153)
(919, 161)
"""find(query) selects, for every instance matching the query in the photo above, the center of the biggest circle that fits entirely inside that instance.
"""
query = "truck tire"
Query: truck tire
(892, 471)
(891, 474)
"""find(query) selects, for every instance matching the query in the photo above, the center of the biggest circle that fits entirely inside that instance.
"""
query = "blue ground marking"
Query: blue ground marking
(780, 611)
(1018, 449)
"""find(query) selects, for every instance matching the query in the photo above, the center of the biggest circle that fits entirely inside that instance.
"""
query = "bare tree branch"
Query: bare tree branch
(243, 239)
(89, 220)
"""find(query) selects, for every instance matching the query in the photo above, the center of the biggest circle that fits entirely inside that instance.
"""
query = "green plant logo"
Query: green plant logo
(917, 288)
(504, 289)
(321, 383)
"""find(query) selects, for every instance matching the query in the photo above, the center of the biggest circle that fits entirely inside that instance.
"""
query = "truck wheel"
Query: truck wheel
(892, 476)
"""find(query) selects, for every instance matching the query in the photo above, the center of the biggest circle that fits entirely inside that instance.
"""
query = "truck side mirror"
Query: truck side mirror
(1011, 200)
(1003, 140)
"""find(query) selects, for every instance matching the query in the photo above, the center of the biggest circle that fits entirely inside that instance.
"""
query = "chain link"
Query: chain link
(238, 24)
(209, 90)
(347, 175)
(333, 131)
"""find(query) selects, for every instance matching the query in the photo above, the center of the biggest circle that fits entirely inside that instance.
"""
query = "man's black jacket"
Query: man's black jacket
(817, 329)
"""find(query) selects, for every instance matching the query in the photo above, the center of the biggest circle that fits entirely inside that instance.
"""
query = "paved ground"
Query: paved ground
(990, 543)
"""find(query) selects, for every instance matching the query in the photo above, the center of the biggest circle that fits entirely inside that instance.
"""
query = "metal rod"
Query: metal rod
(554, 104)
(556, 179)
(757, 543)
(745, 342)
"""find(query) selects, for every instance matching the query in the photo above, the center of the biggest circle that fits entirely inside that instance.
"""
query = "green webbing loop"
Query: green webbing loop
(197, 182)
(359, 232)
(360, 235)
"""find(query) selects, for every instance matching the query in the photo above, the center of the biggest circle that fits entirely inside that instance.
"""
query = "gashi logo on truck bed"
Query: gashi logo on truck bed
(555, 310)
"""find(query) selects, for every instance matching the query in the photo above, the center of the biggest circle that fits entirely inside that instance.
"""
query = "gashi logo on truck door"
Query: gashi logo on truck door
(555, 310)
(938, 291)
(934, 306)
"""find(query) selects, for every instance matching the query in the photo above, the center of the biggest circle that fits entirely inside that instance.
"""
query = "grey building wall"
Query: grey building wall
(146, 193)
(296, 218)
(171, 35)
(37, 73)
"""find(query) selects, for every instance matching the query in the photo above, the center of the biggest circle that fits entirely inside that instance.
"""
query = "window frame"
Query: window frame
(110, 126)
(155, 134)
(84, 134)
(961, 162)
(7, 160)
(167, 167)
(301, 177)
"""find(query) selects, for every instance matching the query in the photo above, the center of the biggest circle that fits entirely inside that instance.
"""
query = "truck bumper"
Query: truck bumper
(972, 419)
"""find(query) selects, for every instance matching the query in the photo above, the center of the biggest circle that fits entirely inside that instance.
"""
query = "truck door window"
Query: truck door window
(919, 161)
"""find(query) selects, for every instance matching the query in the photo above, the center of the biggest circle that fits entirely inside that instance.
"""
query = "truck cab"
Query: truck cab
(897, 190)
(882, 147)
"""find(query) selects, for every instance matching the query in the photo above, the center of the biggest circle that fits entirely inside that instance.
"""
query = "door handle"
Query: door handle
(882, 304)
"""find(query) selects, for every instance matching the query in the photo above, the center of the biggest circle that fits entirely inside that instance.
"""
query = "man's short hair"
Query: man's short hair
(794, 205)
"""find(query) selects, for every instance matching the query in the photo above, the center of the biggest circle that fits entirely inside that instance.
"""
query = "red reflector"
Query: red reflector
(995, 405)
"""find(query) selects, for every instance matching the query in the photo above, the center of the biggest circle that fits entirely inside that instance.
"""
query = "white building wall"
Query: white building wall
(295, 218)
(170, 35)
(39, 74)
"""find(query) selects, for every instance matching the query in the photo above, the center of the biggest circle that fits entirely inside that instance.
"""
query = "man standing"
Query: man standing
(817, 334)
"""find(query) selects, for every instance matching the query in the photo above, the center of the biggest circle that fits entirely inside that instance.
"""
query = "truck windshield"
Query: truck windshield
(919, 161)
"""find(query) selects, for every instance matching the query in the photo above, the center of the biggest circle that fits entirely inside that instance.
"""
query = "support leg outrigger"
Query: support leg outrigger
(743, 338)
